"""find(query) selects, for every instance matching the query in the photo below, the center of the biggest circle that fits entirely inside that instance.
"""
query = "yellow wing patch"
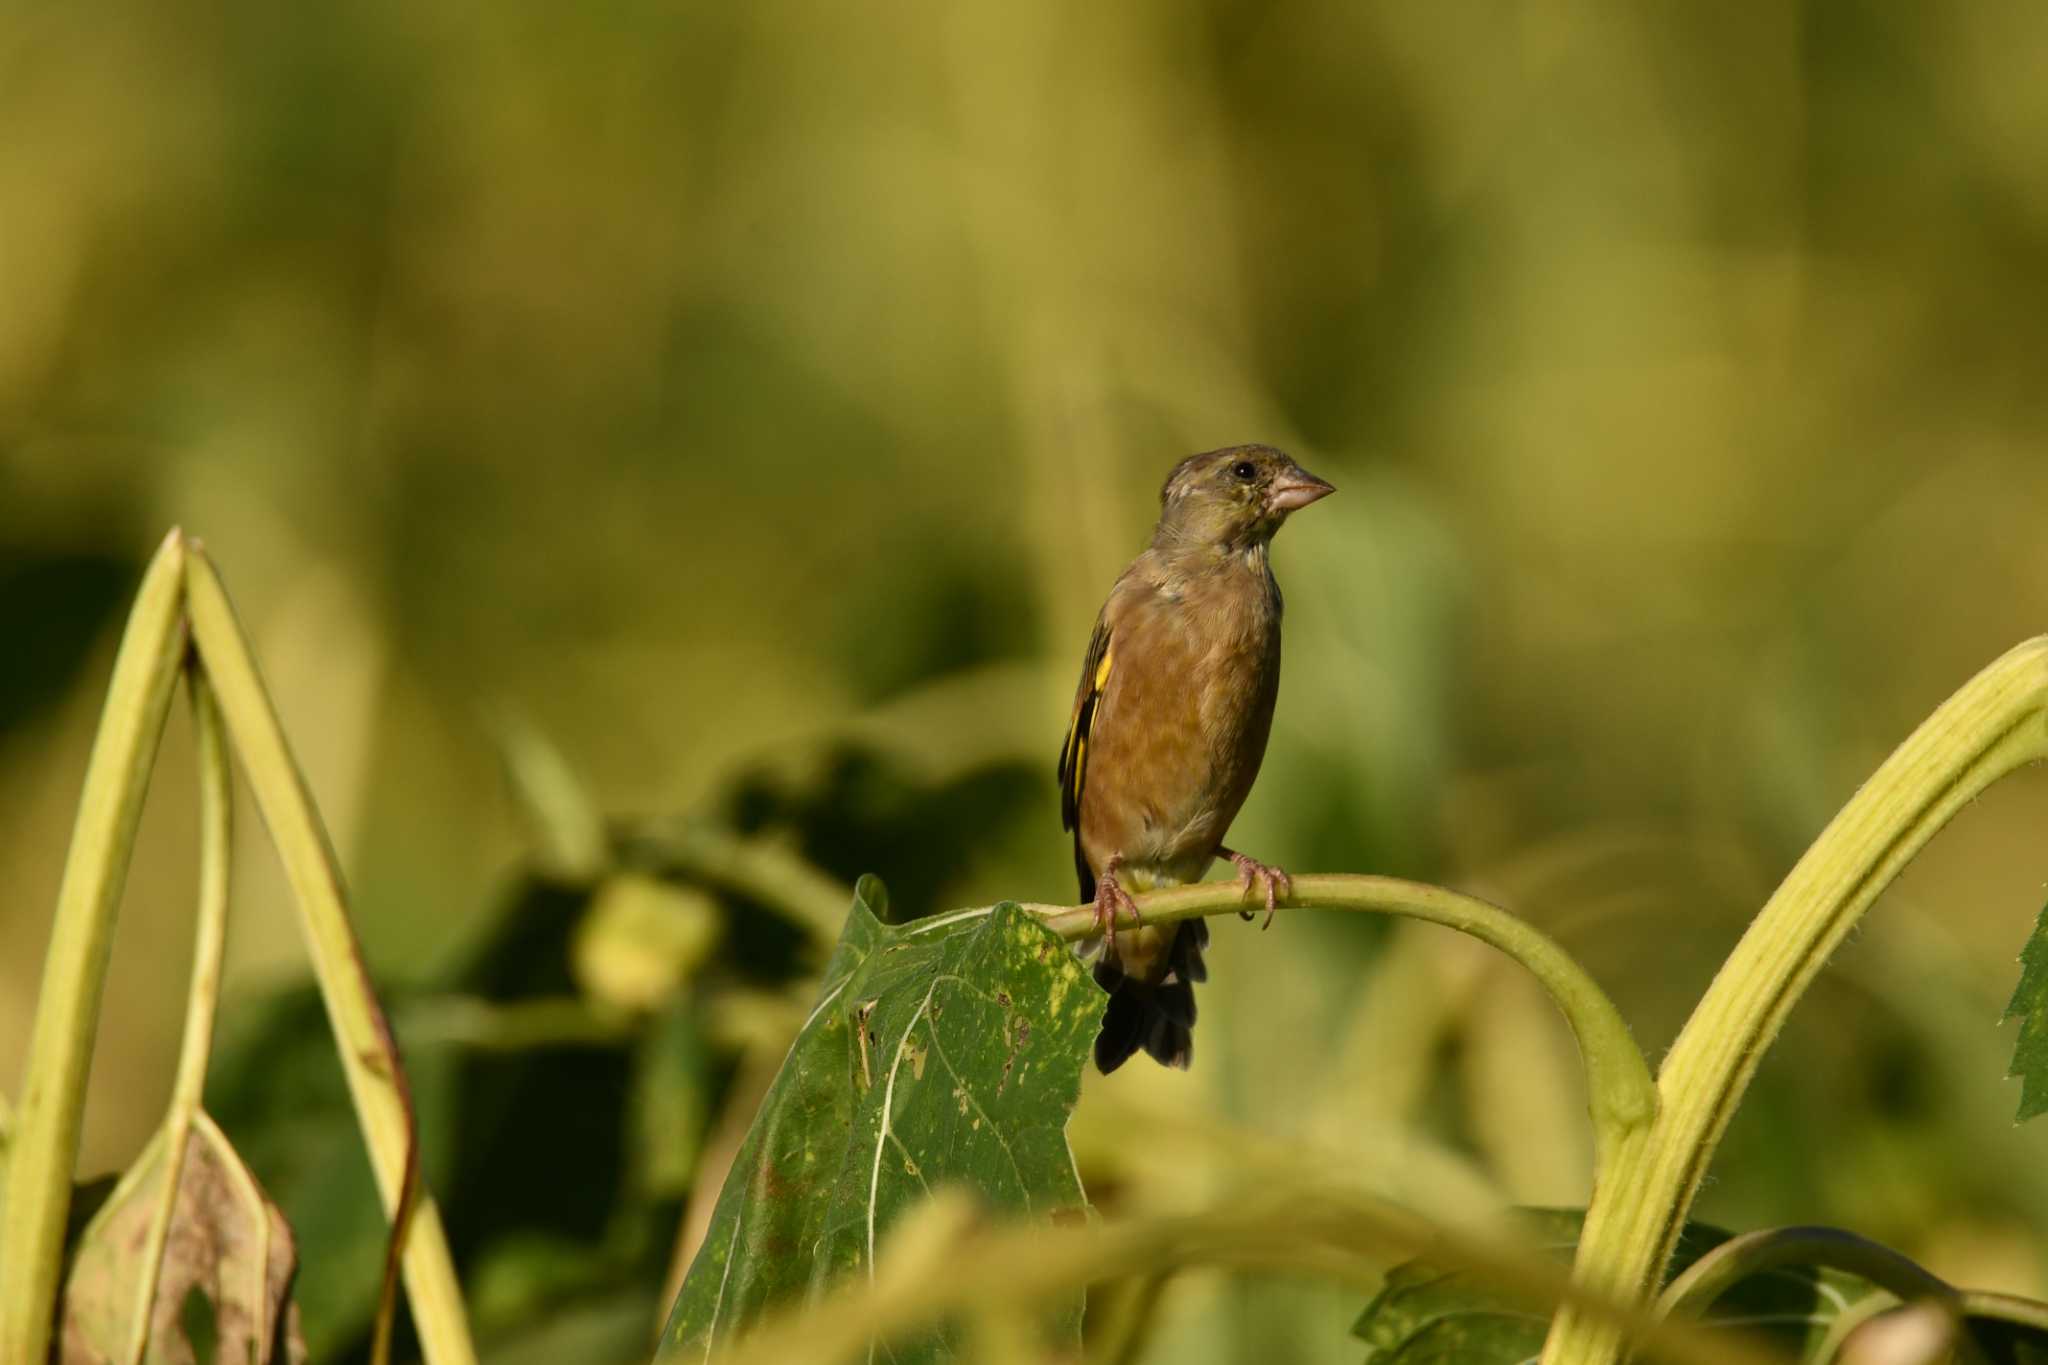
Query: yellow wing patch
(1073, 772)
(1084, 719)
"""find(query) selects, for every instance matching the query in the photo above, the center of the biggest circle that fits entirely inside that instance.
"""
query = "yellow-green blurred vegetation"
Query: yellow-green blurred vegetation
(757, 400)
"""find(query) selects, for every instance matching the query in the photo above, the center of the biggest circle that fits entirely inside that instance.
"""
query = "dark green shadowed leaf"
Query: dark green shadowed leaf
(940, 1054)
(1428, 1316)
(2029, 1004)
(2003, 1342)
(52, 607)
(276, 1085)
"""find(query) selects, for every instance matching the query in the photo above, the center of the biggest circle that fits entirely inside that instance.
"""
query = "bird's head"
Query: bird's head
(1235, 498)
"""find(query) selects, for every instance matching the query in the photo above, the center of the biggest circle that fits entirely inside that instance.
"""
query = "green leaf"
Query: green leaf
(53, 608)
(673, 1089)
(2029, 1004)
(590, 1331)
(939, 1054)
(1428, 1316)
(583, 1201)
(2001, 1341)
(564, 825)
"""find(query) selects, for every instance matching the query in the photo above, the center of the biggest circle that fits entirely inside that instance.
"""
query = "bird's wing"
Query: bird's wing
(1073, 769)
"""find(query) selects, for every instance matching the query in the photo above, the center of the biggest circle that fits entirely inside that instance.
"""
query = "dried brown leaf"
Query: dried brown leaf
(224, 1289)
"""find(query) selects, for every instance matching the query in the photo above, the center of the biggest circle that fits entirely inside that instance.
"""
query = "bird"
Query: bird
(1168, 729)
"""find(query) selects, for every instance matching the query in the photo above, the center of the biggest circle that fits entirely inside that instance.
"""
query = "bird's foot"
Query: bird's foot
(1277, 882)
(1110, 897)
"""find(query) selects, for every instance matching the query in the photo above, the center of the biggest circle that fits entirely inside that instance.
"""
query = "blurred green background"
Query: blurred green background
(757, 400)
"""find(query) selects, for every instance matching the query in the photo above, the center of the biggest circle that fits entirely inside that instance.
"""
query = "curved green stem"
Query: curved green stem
(209, 947)
(958, 1262)
(775, 876)
(1997, 722)
(1752, 1253)
(45, 1142)
(2005, 1308)
(370, 1063)
(1621, 1096)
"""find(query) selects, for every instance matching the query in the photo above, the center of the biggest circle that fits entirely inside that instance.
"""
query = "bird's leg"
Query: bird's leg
(1276, 880)
(1109, 897)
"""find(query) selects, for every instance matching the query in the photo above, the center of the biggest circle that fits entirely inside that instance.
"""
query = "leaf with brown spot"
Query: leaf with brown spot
(224, 1289)
(945, 1054)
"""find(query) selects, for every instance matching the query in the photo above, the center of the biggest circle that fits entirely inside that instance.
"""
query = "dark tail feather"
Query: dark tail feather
(1158, 1016)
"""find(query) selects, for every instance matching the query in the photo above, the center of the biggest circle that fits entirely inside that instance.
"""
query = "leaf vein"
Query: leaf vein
(987, 1118)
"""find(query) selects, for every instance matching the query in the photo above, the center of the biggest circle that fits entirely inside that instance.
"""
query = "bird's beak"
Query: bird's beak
(1296, 489)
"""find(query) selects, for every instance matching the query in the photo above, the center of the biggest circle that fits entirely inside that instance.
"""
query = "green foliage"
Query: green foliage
(2029, 1004)
(52, 607)
(943, 1058)
(1696, 339)
(937, 1054)
(606, 1044)
(1428, 1316)
(2002, 1342)
(547, 1223)
(276, 1087)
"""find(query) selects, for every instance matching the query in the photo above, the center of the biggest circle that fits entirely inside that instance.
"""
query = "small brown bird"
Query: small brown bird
(1169, 725)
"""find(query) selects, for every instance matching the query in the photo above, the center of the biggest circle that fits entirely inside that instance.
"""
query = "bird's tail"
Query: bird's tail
(1158, 1016)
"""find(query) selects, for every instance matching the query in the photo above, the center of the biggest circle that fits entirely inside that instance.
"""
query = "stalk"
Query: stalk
(44, 1146)
(1997, 722)
(1620, 1094)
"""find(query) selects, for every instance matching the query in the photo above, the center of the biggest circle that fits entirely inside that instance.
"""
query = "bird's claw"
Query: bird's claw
(1275, 879)
(1110, 897)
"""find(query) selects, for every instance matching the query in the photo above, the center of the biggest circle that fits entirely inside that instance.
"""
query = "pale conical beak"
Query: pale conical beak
(1296, 490)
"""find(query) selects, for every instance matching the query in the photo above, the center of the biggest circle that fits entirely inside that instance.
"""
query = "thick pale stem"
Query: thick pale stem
(1997, 722)
(369, 1059)
(45, 1143)
(1331, 1234)
(209, 947)
(1621, 1096)
(2005, 1308)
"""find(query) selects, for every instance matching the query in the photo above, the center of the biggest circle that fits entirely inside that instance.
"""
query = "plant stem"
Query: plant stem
(1752, 1253)
(209, 946)
(1621, 1096)
(2030, 1313)
(1993, 725)
(777, 877)
(369, 1058)
(45, 1143)
(1329, 1233)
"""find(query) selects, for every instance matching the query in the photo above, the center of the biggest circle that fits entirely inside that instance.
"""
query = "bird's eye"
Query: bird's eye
(1245, 471)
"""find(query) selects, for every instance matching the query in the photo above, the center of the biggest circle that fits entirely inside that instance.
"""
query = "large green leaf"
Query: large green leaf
(938, 1054)
(2029, 1004)
(1425, 1315)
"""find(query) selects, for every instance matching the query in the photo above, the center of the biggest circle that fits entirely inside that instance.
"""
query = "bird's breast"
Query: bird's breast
(1181, 729)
